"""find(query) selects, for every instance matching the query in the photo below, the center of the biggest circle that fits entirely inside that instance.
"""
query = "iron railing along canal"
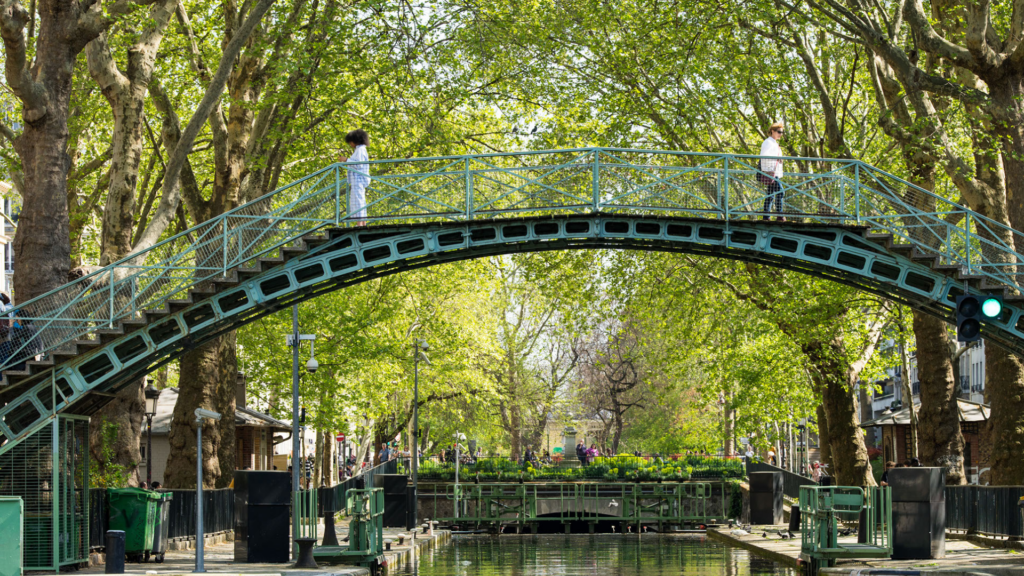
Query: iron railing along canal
(985, 510)
(791, 482)
(521, 504)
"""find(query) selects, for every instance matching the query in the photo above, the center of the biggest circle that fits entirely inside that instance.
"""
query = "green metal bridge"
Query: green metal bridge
(526, 506)
(846, 221)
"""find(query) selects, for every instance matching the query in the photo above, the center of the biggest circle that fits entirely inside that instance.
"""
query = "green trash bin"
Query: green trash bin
(11, 523)
(134, 511)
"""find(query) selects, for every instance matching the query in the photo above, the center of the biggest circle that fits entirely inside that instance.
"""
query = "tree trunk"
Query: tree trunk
(824, 439)
(1005, 389)
(208, 377)
(848, 453)
(729, 428)
(908, 394)
(42, 243)
(329, 471)
(940, 441)
(121, 411)
(1004, 384)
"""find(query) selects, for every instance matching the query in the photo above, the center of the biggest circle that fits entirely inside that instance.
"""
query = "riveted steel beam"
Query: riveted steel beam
(351, 256)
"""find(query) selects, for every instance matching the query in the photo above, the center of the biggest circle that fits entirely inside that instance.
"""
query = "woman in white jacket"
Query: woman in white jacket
(358, 173)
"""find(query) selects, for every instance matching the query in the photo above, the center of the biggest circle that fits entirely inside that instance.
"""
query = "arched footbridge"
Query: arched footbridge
(845, 221)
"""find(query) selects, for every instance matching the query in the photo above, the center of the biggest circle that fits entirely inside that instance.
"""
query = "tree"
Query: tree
(613, 380)
(43, 86)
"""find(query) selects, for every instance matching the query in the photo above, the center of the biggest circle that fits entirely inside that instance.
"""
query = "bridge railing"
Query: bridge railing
(460, 188)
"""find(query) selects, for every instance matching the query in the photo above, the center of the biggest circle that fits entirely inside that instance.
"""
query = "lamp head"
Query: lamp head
(152, 394)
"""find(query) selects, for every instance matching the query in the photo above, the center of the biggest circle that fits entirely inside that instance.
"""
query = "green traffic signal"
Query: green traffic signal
(991, 307)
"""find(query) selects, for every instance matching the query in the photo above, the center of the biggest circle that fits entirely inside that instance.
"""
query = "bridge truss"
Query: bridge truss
(846, 221)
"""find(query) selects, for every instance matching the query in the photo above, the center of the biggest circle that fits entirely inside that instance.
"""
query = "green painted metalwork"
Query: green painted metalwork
(365, 508)
(50, 473)
(483, 186)
(304, 514)
(500, 504)
(349, 255)
(12, 526)
(820, 509)
(434, 210)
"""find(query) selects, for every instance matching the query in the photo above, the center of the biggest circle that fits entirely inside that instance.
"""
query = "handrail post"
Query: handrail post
(967, 239)
(110, 281)
(337, 196)
(856, 191)
(842, 201)
(724, 188)
(469, 191)
(224, 245)
(597, 180)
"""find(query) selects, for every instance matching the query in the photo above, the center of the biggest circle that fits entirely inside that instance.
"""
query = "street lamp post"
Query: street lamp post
(294, 340)
(152, 394)
(418, 347)
(200, 534)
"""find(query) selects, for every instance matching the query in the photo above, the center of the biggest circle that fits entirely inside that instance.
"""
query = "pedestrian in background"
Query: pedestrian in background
(358, 173)
(770, 170)
(581, 452)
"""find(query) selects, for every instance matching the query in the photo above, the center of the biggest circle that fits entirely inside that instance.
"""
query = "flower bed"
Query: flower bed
(614, 468)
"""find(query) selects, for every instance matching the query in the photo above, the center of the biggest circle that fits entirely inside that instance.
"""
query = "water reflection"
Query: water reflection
(549, 555)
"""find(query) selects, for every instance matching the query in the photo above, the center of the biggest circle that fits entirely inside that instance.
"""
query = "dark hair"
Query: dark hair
(5, 298)
(358, 137)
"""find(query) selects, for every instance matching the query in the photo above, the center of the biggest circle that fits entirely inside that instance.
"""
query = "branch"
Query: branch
(170, 196)
(32, 94)
(931, 41)
(89, 167)
(104, 72)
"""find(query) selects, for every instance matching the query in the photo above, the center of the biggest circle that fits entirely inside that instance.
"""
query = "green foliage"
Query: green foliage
(617, 468)
(108, 473)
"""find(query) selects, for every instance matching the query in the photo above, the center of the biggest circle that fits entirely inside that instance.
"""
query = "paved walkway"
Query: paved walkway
(961, 556)
(219, 559)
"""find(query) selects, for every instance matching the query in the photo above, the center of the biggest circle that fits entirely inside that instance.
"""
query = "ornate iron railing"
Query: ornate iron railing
(688, 184)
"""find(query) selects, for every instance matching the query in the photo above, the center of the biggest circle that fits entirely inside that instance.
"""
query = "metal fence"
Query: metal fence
(98, 517)
(791, 482)
(333, 498)
(218, 514)
(985, 510)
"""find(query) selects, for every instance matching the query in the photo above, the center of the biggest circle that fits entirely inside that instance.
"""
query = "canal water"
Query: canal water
(578, 555)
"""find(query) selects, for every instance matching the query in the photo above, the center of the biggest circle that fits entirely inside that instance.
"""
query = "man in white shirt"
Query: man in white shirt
(770, 173)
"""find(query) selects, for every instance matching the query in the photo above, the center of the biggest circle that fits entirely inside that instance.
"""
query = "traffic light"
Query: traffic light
(971, 310)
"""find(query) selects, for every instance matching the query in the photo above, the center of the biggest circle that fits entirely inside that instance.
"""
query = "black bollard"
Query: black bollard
(305, 558)
(794, 518)
(115, 552)
(330, 534)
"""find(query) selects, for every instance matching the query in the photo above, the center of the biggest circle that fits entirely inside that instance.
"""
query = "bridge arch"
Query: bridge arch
(82, 382)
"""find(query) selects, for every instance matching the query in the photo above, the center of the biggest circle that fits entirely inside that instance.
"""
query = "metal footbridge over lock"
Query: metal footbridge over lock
(76, 346)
